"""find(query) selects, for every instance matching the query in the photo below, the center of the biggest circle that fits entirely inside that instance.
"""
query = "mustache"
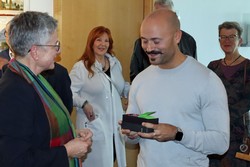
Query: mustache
(154, 52)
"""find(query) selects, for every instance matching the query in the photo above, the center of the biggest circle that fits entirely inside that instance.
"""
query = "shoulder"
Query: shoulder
(213, 64)
(186, 35)
(25, 97)
(78, 64)
(112, 58)
(60, 70)
(247, 61)
(78, 69)
(147, 73)
(60, 67)
(5, 54)
(58, 73)
(205, 76)
(8, 84)
(192, 66)
(247, 64)
(138, 41)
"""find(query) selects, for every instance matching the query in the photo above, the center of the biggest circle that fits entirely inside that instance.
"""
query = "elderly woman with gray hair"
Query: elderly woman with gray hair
(35, 126)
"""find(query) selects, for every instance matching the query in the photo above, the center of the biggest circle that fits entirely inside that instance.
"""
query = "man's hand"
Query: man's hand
(162, 132)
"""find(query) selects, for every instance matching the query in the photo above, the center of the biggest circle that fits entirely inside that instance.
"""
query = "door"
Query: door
(76, 19)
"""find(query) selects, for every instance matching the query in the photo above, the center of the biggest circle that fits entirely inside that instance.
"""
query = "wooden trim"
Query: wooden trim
(57, 7)
(147, 7)
(243, 156)
(7, 14)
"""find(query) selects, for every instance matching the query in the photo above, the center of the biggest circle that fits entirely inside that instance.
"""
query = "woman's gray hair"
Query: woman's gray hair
(168, 3)
(231, 25)
(28, 29)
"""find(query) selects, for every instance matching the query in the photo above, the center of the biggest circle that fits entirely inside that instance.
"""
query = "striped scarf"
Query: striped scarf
(61, 127)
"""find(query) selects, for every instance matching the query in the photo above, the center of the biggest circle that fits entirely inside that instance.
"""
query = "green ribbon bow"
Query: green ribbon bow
(147, 115)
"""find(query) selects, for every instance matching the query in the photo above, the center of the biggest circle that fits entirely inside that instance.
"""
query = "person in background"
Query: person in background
(6, 54)
(35, 126)
(58, 77)
(139, 59)
(193, 121)
(234, 71)
(3, 61)
(97, 86)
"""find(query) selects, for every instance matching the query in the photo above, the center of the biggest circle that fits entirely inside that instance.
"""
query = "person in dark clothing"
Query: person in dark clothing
(60, 81)
(3, 59)
(234, 71)
(139, 59)
(35, 126)
(57, 77)
(5, 55)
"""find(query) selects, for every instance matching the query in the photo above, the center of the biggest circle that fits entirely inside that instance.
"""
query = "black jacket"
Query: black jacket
(24, 127)
(60, 81)
(5, 55)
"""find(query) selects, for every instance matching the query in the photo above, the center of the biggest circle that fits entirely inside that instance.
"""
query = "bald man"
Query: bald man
(194, 121)
(139, 59)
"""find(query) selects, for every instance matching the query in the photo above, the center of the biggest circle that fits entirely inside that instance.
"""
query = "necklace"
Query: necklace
(103, 67)
(232, 61)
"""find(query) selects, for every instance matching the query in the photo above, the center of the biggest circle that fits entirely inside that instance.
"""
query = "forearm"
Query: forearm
(207, 142)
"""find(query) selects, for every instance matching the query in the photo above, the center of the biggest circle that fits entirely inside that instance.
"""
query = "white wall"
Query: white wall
(39, 5)
(201, 18)
(35, 5)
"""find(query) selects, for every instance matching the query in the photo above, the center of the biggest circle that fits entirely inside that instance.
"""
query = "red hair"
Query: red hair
(88, 56)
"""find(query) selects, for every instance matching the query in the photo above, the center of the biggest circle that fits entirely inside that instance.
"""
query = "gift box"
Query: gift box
(133, 122)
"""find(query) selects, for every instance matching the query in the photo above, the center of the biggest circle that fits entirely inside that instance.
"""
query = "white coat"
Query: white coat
(105, 99)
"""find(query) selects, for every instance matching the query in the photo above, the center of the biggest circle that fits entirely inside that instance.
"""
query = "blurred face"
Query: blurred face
(158, 41)
(46, 53)
(229, 40)
(101, 45)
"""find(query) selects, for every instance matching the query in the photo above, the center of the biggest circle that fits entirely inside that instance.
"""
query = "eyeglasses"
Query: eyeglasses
(230, 37)
(57, 46)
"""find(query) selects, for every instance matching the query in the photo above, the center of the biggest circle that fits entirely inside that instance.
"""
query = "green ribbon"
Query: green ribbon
(147, 115)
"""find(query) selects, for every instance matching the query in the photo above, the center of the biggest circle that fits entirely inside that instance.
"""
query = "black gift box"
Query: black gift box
(133, 123)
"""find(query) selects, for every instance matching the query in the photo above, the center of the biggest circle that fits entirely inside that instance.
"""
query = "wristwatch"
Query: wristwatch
(178, 135)
(83, 105)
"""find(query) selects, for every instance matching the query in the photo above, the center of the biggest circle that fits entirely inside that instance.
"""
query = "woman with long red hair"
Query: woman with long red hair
(97, 86)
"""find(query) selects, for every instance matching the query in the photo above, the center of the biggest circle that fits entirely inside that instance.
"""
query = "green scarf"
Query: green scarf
(61, 127)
